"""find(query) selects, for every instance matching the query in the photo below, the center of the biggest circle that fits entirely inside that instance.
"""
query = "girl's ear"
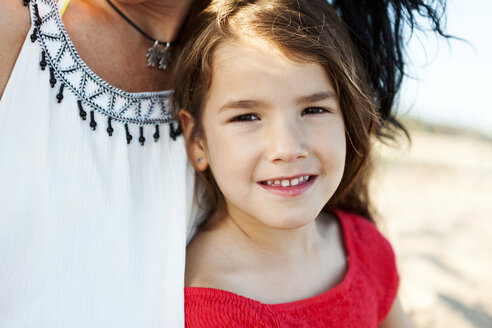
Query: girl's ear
(194, 145)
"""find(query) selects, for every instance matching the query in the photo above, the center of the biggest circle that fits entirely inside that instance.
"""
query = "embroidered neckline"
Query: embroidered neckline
(66, 67)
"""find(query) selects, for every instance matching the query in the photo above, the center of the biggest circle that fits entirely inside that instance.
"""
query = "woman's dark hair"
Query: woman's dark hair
(378, 29)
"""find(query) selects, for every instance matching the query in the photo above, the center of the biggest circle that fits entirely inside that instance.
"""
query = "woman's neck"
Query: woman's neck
(161, 19)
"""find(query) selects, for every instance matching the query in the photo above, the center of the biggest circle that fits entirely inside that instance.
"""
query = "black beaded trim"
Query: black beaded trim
(128, 135)
(82, 112)
(34, 35)
(42, 63)
(93, 123)
(67, 68)
(156, 133)
(52, 77)
(141, 139)
(59, 96)
(110, 127)
(174, 133)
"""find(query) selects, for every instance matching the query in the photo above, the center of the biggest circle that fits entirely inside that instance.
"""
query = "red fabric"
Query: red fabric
(362, 299)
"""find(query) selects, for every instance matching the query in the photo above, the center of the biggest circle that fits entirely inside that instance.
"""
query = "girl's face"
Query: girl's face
(273, 135)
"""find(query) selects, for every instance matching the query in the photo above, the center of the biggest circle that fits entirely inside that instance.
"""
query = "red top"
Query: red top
(362, 299)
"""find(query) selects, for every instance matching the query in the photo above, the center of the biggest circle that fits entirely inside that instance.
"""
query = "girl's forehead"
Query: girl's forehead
(255, 53)
(231, 48)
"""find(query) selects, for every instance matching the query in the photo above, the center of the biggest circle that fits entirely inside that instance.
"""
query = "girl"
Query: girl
(278, 118)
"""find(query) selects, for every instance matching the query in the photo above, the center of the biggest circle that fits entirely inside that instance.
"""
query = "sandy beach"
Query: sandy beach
(435, 201)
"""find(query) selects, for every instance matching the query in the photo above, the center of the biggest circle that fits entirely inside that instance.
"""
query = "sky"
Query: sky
(452, 80)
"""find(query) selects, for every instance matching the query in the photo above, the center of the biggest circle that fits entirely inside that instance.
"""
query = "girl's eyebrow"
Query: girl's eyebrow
(318, 96)
(242, 104)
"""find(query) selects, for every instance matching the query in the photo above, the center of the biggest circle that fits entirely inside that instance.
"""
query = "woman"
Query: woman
(91, 179)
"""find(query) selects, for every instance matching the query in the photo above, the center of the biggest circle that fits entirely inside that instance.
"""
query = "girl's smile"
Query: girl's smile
(284, 186)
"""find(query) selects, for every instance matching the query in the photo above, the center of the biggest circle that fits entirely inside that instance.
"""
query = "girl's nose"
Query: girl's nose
(285, 142)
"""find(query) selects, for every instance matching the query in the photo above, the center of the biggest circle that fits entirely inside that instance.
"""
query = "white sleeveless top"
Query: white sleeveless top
(92, 229)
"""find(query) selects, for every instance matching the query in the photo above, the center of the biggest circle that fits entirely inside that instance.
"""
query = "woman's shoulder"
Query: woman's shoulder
(14, 26)
(14, 18)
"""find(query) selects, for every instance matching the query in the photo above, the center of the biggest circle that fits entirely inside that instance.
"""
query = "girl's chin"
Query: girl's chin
(288, 223)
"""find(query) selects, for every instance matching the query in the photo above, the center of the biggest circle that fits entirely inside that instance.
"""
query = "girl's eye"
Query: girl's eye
(244, 118)
(315, 110)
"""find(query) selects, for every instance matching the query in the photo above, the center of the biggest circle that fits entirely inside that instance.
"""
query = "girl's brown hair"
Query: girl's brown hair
(306, 31)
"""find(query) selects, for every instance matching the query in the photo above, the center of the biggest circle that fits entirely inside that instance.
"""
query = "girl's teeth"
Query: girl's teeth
(288, 183)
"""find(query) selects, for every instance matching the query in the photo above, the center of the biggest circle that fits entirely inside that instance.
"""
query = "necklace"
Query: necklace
(159, 55)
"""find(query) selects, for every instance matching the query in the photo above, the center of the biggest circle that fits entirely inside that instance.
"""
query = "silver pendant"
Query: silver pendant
(160, 58)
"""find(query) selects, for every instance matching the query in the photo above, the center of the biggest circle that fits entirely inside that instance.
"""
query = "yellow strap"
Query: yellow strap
(65, 5)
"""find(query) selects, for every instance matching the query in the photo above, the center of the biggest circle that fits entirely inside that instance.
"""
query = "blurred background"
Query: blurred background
(435, 194)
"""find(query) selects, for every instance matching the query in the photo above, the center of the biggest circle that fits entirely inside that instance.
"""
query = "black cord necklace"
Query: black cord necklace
(156, 56)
